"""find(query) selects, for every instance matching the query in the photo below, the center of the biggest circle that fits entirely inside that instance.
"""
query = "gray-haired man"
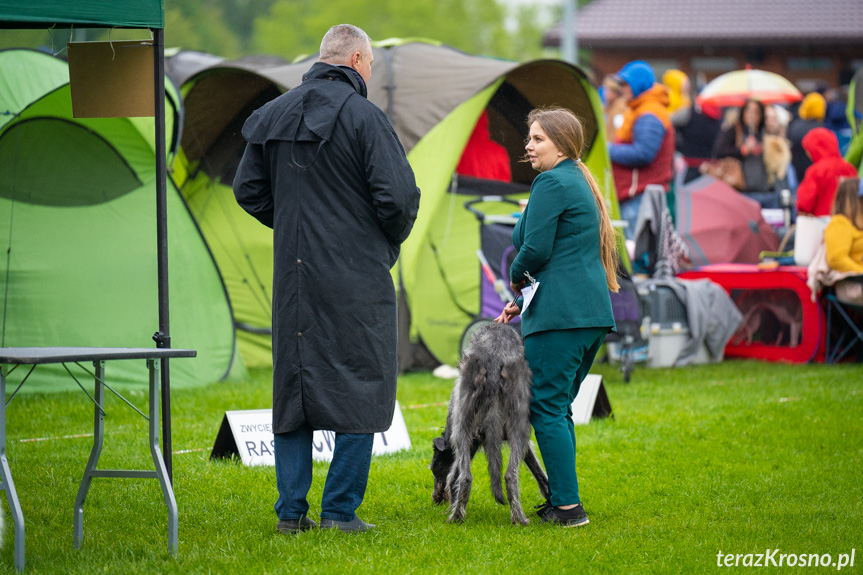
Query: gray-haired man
(324, 168)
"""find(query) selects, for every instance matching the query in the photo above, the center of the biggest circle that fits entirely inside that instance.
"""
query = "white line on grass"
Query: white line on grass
(85, 435)
(76, 436)
(425, 405)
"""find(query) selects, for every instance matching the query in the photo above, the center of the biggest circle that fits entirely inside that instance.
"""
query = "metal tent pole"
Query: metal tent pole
(569, 41)
(163, 336)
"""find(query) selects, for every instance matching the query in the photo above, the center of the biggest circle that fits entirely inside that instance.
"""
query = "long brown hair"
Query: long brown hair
(848, 203)
(565, 131)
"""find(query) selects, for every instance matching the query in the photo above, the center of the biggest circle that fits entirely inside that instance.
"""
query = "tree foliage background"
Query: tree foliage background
(292, 28)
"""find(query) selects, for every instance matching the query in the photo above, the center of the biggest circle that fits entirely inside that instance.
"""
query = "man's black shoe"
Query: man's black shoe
(290, 526)
(356, 525)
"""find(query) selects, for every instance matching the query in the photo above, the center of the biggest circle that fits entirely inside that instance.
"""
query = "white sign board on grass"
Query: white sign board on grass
(249, 435)
(591, 401)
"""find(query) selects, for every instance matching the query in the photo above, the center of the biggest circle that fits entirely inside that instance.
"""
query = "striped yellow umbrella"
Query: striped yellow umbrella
(734, 88)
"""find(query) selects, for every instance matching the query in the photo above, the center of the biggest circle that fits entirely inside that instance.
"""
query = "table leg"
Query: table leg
(158, 460)
(6, 477)
(98, 437)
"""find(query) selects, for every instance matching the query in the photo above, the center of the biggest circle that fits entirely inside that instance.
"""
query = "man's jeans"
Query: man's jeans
(346, 480)
(629, 213)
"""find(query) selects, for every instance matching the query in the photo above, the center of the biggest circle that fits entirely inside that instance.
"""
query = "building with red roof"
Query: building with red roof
(813, 44)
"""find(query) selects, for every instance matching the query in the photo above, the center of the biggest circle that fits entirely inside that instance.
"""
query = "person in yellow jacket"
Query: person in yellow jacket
(843, 237)
(679, 101)
(810, 115)
(843, 240)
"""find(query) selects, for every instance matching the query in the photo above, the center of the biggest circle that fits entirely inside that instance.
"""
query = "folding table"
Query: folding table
(12, 357)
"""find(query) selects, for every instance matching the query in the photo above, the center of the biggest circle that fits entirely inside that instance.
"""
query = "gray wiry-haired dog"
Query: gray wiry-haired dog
(489, 405)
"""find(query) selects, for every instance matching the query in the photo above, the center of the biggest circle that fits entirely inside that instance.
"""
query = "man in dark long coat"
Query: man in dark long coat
(324, 168)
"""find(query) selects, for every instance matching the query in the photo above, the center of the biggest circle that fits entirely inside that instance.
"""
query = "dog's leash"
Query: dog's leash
(532, 281)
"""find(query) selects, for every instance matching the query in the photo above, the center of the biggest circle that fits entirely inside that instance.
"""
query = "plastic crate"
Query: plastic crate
(664, 347)
(663, 307)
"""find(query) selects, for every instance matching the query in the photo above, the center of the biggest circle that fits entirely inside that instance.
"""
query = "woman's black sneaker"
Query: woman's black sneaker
(574, 517)
(542, 508)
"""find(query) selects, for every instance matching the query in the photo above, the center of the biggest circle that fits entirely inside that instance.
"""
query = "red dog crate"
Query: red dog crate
(780, 320)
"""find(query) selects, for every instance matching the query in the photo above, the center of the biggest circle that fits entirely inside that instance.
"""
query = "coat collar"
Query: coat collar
(324, 71)
(306, 113)
(564, 163)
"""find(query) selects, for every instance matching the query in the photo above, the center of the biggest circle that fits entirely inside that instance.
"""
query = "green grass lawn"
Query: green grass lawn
(739, 457)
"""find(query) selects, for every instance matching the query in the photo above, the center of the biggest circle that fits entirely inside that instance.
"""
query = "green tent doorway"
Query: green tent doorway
(77, 213)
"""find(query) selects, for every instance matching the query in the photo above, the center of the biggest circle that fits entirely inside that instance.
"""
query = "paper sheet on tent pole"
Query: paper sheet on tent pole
(112, 79)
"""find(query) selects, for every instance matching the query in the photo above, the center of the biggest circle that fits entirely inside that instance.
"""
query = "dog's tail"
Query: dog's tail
(485, 380)
(494, 381)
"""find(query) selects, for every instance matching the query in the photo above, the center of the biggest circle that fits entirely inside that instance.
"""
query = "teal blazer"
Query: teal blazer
(558, 243)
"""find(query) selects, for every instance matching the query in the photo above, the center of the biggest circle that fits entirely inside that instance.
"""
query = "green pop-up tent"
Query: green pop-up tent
(433, 95)
(140, 14)
(440, 270)
(218, 100)
(854, 113)
(76, 224)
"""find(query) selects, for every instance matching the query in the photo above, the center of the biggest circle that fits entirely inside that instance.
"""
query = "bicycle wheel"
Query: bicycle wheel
(469, 331)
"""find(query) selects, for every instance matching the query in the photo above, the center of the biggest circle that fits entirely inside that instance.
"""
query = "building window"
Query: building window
(714, 64)
(810, 64)
(662, 65)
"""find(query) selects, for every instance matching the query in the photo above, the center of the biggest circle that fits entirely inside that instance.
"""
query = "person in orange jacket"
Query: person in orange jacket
(643, 149)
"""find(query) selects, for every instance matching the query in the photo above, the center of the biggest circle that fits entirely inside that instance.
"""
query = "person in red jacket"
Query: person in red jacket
(818, 188)
(483, 157)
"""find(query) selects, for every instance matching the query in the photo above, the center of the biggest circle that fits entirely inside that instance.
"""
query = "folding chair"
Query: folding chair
(850, 332)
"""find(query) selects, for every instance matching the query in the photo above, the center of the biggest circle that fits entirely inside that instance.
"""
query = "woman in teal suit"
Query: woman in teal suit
(566, 244)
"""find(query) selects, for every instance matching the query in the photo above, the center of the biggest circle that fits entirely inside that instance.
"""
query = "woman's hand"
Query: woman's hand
(516, 287)
(510, 311)
(750, 146)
